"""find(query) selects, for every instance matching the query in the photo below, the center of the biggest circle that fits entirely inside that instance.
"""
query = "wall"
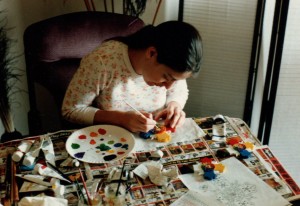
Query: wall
(20, 14)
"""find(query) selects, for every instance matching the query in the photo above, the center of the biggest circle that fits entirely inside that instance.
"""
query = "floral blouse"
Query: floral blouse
(105, 78)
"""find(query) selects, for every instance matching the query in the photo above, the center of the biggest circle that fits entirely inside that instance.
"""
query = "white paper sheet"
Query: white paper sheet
(192, 198)
(189, 131)
(238, 186)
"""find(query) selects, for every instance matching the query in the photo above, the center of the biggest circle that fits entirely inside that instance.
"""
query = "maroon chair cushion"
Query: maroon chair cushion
(55, 46)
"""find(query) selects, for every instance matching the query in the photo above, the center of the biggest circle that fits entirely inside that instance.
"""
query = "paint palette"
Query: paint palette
(100, 143)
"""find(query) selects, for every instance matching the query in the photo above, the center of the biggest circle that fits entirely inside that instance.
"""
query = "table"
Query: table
(190, 144)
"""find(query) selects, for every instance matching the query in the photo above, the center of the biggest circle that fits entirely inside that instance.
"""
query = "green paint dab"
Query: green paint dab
(103, 147)
(75, 146)
(110, 142)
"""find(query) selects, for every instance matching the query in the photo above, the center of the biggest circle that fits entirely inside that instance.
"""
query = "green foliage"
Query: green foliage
(8, 77)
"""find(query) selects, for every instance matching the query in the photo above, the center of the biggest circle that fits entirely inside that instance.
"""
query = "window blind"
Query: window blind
(226, 27)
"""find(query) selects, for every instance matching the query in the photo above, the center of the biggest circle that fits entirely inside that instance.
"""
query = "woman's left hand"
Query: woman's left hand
(173, 115)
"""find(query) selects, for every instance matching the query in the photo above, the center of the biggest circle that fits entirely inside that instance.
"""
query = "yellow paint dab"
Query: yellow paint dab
(219, 167)
(163, 137)
(249, 145)
(111, 151)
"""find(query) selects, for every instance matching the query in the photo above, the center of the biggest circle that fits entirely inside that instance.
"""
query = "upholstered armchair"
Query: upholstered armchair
(53, 50)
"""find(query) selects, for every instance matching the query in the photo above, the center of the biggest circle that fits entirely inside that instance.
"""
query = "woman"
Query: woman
(146, 69)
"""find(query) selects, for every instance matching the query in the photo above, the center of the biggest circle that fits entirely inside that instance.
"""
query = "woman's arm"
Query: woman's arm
(85, 85)
(130, 120)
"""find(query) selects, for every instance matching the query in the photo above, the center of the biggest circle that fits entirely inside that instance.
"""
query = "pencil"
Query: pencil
(85, 187)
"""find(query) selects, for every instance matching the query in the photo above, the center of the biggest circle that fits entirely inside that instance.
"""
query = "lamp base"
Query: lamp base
(9, 136)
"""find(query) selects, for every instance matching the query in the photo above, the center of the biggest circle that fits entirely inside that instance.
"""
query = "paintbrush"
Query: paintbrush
(8, 181)
(15, 190)
(119, 183)
(58, 171)
(85, 187)
(79, 191)
(137, 111)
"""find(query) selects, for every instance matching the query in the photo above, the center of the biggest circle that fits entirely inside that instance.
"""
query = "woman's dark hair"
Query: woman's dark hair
(178, 44)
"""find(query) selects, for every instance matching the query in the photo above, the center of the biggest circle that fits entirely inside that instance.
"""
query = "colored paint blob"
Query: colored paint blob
(109, 157)
(123, 139)
(82, 136)
(110, 142)
(93, 134)
(120, 153)
(111, 151)
(101, 139)
(118, 145)
(102, 131)
(79, 155)
(103, 147)
(75, 146)
(92, 142)
(125, 146)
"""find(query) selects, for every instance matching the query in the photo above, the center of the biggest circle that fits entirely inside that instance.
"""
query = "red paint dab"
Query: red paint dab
(93, 134)
(206, 160)
(82, 137)
(102, 131)
(123, 139)
(92, 142)
(120, 153)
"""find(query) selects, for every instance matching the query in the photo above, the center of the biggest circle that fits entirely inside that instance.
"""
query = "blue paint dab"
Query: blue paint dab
(79, 155)
(125, 146)
(118, 144)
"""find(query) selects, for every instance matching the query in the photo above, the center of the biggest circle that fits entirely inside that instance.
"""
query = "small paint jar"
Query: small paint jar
(219, 126)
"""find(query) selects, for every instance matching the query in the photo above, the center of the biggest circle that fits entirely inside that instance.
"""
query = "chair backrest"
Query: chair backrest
(53, 50)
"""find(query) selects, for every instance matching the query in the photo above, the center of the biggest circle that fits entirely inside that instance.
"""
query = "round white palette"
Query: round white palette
(100, 143)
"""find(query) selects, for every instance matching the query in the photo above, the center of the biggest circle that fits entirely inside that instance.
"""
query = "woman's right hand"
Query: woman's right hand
(135, 122)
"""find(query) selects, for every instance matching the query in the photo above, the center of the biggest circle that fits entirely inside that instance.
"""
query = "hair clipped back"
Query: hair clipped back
(178, 44)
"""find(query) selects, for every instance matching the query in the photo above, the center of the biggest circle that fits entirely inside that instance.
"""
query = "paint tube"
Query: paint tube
(42, 180)
(34, 151)
(22, 148)
(46, 171)
(32, 187)
(47, 148)
(57, 188)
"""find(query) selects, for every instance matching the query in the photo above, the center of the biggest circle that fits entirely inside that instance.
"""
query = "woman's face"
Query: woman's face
(156, 74)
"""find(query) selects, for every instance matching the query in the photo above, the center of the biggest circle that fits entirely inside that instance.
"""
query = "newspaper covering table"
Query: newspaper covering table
(180, 154)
